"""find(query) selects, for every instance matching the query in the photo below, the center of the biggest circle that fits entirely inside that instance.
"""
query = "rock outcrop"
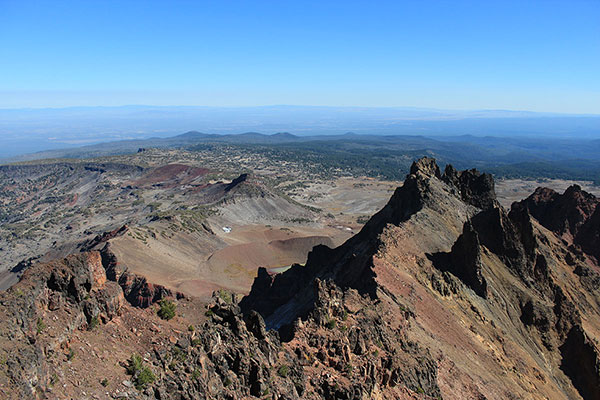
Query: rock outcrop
(61, 296)
(343, 350)
(588, 236)
(103, 238)
(561, 213)
(137, 290)
(350, 265)
(474, 187)
(447, 231)
(573, 215)
(465, 260)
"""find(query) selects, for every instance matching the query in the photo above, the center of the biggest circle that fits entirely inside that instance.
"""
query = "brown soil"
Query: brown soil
(197, 264)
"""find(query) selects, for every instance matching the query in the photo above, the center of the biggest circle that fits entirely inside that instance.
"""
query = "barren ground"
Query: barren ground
(188, 249)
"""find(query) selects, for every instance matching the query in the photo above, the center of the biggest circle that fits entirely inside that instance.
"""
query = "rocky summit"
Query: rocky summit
(443, 294)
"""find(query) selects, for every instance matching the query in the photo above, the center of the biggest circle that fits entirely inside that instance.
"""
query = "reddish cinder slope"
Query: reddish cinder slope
(172, 175)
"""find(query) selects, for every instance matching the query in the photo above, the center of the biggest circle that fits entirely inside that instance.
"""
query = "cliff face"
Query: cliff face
(51, 304)
(563, 214)
(442, 294)
(59, 297)
(573, 215)
(424, 195)
(506, 300)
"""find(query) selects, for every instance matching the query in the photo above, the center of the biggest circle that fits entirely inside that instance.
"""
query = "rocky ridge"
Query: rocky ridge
(62, 296)
(504, 272)
(442, 294)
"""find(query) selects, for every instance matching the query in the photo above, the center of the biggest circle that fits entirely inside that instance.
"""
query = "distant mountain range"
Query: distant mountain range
(30, 130)
(467, 148)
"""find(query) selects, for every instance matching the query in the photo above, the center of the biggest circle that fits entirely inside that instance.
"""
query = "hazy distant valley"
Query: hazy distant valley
(59, 128)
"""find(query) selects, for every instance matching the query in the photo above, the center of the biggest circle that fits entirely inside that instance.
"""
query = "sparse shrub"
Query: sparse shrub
(142, 375)
(167, 309)
(191, 328)
(94, 322)
(135, 364)
(227, 382)
(225, 296)
(363, 219)
(283, 371)
(71, 354)
(104, 382)
(144, 378)
(178, 354)
(40, 326)
(331, 324)
(349, 368)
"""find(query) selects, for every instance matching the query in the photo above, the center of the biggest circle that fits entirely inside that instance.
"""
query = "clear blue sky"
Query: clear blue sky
(528, 55)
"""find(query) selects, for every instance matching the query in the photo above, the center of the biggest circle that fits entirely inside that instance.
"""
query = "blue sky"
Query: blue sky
(526, 55)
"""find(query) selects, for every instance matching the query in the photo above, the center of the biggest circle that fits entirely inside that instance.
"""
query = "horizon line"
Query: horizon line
(301, 106)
